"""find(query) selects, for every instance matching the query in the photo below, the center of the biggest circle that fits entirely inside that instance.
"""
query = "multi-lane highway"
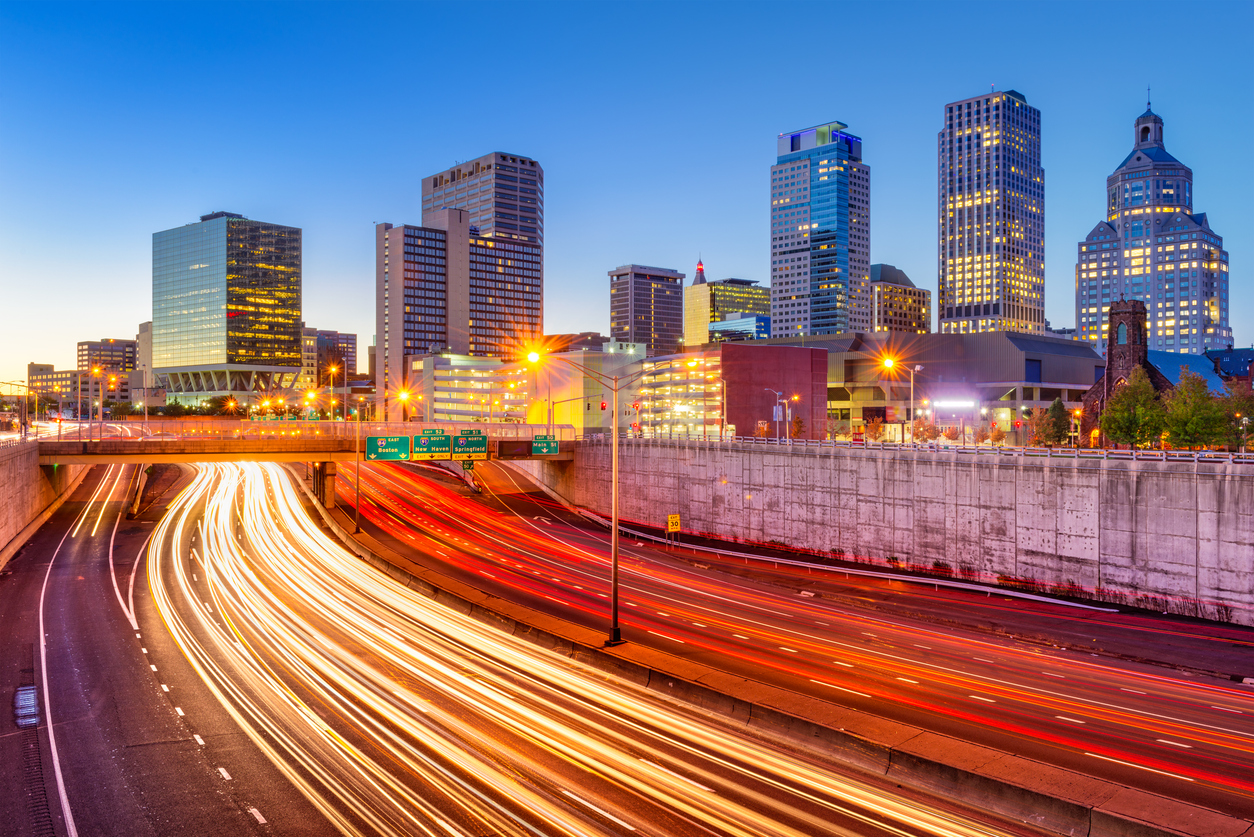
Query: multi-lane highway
(231, 670)
(1184, 736)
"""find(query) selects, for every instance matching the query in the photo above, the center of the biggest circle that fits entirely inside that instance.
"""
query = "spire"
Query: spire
(699, 279)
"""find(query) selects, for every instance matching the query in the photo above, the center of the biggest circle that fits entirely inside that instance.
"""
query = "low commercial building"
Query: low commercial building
(740, 327)
(896, 303)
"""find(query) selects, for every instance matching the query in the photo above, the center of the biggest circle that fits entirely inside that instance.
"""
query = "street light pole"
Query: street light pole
(779, 399)
(616, 636)
(357, 469)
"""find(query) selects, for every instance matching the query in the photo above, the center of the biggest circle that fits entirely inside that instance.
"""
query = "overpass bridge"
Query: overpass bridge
(195, 440)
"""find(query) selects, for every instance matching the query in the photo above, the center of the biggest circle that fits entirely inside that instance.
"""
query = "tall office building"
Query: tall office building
(116, 355)
(226, 303)
(143, 354)
(442, 287)
(503, 194)
(1154, 248)
(820, 233)
(337, 342)
(708, 303)
(991, 216)
(647, 306)
(896, 304)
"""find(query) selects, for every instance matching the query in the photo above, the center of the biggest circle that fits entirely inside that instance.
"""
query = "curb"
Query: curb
(1050, 798)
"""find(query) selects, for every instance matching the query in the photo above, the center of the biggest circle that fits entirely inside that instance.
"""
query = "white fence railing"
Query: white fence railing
(834, 445)
(241, 429)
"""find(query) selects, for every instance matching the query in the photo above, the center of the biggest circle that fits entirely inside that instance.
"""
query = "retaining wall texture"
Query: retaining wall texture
(27, 490)
(1167, 535)
(1055, 800)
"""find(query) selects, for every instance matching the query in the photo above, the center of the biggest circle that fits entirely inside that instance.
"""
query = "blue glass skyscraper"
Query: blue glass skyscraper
(820, 233)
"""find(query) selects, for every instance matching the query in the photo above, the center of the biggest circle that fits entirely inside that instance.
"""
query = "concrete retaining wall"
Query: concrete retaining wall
(1170, 536)
(28, 491)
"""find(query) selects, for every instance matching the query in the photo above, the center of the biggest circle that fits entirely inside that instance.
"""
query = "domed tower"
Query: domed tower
(1149, 130)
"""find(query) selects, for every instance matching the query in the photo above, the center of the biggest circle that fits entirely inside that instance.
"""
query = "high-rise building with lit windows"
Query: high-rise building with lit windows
(820, 233)
(990, 216)
(1154, 248)
(226, 304)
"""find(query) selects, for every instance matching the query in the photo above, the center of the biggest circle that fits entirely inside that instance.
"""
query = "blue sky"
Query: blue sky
(655, 124)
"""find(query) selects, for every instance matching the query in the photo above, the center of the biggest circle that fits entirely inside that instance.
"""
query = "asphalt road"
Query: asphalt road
(900, 651)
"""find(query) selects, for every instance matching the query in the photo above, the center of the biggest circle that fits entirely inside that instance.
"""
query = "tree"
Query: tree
(1133, 414)
(1194, 417)
(996, 435)
(1056, 426)
(122, 409)
(874, 429)
(950, 433)
(1237, 403)
(981, 434)
(1038, 422)
(798, 428)
(174, 410)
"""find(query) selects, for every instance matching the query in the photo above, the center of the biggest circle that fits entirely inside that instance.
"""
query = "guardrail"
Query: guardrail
(832, 445)
(169, 429)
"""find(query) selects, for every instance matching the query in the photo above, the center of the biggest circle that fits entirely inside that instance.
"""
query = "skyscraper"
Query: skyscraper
(647, 306)
(226, 303)
(708, 303)
(991, 216)
(1154, 248)
(896, 304)
(820, 233)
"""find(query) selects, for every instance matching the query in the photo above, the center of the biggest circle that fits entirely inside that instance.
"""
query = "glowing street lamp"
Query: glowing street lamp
(403, 395)
(889, 363)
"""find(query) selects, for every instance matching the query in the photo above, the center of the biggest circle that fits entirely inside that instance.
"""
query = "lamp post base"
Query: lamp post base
(616, 637)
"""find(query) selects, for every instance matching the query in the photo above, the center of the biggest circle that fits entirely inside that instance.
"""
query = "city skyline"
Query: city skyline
(138, 171)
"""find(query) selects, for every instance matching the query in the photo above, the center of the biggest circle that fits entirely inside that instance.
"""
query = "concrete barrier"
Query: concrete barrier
(30, 494)
(1052, 799)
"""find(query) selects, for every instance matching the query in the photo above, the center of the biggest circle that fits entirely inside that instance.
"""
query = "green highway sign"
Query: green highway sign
(385, 448)
(472, 432)
(542, 438)
(430, 446)
(467, 465)
(543, 445)
(434, 431)
(467, 447)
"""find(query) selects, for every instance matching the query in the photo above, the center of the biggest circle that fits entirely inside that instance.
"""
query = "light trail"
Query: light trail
(396, 715)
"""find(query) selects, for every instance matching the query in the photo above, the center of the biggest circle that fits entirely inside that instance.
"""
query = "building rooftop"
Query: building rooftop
(1173, 364)
(890, 274)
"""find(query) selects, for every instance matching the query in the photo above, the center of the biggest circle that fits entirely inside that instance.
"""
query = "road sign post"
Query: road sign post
(543, 445)
(387, 448)
(672, 527)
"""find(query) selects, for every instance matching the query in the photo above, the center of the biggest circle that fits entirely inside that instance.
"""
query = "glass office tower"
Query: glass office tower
(226, 300)
(820, 233)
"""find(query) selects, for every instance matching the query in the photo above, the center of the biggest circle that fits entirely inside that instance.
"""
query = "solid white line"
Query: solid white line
(677, 775)
(839, 688)
(83, 516)
(70, 827)
(113, 575)
(600, 811)
(130, 596)
(104, 504)
(1141, 766)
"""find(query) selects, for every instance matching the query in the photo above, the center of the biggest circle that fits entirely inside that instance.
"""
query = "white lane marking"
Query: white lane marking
(82, 518)
(154, 668)
(1070, 720)
(1051, 674)
(66, 813)
(1174, 743)
(1141, 767)
(199, 740)
(789, 650)
(924, 647)
(165, 688)
(1133, 691)
(130, 594)
(846, 665)
(104, 504)
(908, 680)
(144, 650)
(671, 638)
(600, 811)
(864, 633)
(840, 688)
(225, 775)
(677, 775)
(178, 710)
(1226, 709)
(739, 636)
(977, 697)
(698, 625)
(129, 614)
(981, 659)
(257, 815)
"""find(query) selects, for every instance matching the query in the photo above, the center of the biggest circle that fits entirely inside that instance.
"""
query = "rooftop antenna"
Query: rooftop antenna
(991, 87)
(1147, 97)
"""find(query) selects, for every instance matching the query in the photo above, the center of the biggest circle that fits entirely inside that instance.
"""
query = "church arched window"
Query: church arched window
(1123, 334)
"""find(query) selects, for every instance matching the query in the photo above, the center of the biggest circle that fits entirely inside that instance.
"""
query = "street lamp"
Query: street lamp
(403, 395)
(1245, 423)
(614, 383)
(357, 462)
(889, 363)
(777, 409)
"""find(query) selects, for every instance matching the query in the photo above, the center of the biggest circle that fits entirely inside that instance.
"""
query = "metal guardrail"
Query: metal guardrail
(832, 445)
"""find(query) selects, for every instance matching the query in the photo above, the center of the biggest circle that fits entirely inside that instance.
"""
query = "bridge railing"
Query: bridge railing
(175, 429)
(832, 446)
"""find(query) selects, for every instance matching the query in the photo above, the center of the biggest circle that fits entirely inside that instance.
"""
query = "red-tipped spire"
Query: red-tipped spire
(699, 279)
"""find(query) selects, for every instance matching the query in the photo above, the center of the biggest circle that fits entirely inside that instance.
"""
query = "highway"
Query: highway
(394, 715)
(1170, 732)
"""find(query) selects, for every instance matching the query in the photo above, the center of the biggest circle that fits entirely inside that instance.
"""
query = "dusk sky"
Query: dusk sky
(655, 124)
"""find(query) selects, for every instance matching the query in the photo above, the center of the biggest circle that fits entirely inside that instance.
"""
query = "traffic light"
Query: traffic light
(1018, 424)
(603, 405)
(636, 406)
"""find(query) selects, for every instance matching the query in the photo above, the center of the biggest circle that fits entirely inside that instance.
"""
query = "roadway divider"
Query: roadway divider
(1052, 799)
